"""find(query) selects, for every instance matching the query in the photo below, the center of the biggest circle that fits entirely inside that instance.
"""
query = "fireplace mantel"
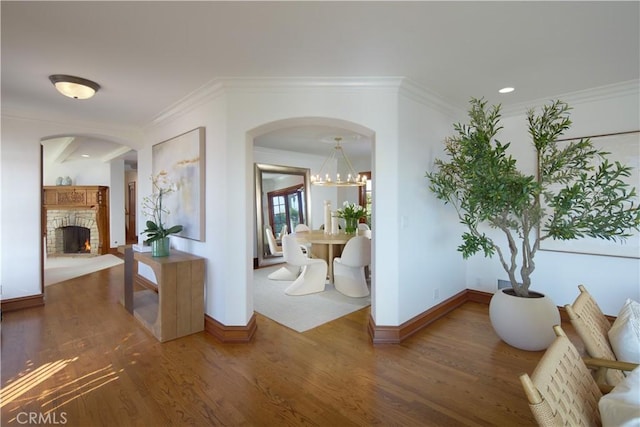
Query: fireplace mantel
(94, 197)
(86, 196)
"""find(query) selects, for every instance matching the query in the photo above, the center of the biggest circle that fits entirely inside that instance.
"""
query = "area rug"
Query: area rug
(300, 313)
(59, 269)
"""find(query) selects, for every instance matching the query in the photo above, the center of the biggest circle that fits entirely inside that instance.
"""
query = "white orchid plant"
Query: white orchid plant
(152, 208)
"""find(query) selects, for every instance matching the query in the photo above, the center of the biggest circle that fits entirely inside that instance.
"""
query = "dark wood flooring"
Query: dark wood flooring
(83, 359)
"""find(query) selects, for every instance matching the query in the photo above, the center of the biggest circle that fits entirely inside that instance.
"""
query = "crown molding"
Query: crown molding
(205, 93)
(427, 97)
(405, 87)
(310, 82)
(220, 86)
(119, 134)
(616, 90)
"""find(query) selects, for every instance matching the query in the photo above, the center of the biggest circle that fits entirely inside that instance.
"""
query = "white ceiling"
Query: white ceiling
(149, 55)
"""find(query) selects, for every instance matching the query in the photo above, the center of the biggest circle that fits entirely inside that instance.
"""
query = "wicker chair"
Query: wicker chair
(592, 326)
(561, 391)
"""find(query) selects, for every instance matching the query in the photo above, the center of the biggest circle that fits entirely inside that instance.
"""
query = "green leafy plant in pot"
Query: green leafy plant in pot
(157, 233)
(352, 213)
(572, 196)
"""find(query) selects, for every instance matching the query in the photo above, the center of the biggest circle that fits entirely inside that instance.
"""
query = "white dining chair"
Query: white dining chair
(302, 227)
(285, 273)
(348, 270)
(271, 240)
(313, 276)
(363, 226)
(306, 248)
(283, 231)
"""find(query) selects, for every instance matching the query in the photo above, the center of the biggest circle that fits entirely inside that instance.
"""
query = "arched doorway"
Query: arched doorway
(99, 168)
(313, 137)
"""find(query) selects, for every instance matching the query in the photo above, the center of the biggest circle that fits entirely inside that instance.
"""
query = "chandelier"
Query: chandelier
(352, 179)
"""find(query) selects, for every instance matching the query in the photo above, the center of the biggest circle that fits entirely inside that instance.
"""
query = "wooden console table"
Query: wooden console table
(177, 309)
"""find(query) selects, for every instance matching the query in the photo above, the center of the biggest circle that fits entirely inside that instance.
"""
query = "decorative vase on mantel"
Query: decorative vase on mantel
(524, 323)
(160, 247)
(351, 225)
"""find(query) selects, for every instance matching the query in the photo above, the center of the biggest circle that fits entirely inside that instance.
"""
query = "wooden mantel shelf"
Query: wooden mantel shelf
(88, 196)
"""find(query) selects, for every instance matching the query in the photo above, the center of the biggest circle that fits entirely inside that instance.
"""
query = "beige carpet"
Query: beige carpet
(59, 269)
(300, 313)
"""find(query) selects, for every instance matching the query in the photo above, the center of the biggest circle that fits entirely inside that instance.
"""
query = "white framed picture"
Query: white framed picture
(622, 147)
(182, 158)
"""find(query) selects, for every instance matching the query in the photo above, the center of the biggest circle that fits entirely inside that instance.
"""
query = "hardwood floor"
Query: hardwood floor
(83, 359)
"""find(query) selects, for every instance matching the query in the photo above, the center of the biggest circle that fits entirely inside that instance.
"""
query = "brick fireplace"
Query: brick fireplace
(76, 219)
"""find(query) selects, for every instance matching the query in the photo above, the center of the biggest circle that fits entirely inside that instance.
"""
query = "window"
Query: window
(286, 206)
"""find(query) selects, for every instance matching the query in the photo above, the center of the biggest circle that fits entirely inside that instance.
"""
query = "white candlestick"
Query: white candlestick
(327, 216)
(334, 225)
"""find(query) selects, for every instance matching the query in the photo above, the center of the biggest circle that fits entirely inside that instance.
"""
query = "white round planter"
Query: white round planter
(524, 323)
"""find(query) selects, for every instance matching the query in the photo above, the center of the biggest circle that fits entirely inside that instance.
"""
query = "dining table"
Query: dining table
(621, 406)
(324, 245)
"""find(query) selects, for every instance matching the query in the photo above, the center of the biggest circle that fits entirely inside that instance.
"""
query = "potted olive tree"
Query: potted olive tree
(571, 196)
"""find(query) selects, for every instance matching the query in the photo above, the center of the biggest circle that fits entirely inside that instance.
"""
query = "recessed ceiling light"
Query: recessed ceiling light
(74, 87)
(84, 155)
(506, 90)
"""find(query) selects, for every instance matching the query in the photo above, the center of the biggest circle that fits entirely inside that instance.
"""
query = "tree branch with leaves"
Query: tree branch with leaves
(569, 198)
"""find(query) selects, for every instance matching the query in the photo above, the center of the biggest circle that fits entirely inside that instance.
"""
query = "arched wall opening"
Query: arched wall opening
(289, 126)
(88, 160)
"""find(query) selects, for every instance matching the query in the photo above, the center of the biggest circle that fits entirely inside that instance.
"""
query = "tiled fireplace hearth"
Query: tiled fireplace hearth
(76, 219)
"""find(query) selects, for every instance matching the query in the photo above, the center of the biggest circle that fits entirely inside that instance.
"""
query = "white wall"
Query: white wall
(609, 279)
(81, 172)
(20, 169)
(212, 116)
(430, 268)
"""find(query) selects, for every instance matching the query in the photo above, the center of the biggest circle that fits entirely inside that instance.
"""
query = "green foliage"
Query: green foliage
(351, 211)
(152, 207)
(156, 232)
(484, 185)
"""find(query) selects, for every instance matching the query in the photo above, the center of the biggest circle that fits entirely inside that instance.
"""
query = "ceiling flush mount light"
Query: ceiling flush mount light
(506, 90)
(353, 179)
(74, 87)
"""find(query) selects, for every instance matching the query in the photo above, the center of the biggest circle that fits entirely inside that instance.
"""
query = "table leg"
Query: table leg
(128, 280)
(330, 262)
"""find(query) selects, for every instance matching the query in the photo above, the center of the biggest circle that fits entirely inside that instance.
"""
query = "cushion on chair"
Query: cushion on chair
(624, 334)
(620, 407)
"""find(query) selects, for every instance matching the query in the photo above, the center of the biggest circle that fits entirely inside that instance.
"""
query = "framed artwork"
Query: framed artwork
(623, 147)
(182, 158)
